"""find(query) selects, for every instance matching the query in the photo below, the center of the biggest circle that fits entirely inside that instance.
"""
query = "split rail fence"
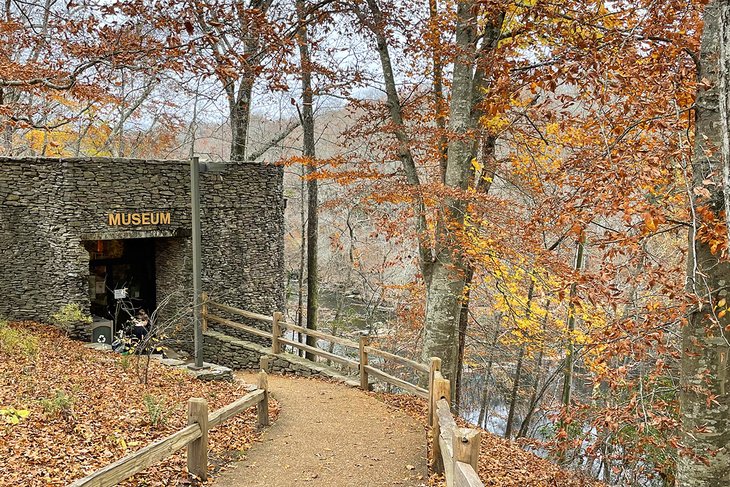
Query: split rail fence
(194, 437)
(455, 450)
(278, 326)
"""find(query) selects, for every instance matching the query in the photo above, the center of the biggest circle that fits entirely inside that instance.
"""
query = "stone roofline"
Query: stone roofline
(117, 160)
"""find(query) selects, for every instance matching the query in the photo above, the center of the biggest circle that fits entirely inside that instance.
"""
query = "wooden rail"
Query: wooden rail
(397, 358)
(352, 364)
(418, 391)
(319, 334)
(362, 365)
(194, 436)
(455, 450)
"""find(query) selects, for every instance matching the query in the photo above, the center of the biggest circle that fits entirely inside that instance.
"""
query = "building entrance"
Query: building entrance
(122, 278)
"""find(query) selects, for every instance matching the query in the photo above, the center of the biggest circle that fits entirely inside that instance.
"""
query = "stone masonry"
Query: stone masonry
(240, 354)
(50, 206)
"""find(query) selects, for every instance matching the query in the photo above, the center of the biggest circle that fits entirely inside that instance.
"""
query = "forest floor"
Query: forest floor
(502, 463)
(332, 435)
(67, 411)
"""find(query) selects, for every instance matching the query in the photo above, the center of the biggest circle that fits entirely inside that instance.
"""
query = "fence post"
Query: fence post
(204, 311)
(364, 342)
(276, 333)
(441, 390)
(466, 447)
(434, 365)
(263, 405)
(198, 449)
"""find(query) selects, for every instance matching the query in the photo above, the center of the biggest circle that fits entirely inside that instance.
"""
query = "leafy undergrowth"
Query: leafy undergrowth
(86, 409)
(501, 463)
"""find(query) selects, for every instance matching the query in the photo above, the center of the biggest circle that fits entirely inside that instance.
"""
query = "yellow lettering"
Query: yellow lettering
(139, 218)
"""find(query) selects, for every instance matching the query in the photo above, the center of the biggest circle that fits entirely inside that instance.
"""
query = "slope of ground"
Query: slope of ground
(331, 435)
(86, 409)
(502, 463)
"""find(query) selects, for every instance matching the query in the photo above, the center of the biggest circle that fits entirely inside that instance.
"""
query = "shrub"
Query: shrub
(61, 403)
(17, 342)
(70, 316)
(157, 410)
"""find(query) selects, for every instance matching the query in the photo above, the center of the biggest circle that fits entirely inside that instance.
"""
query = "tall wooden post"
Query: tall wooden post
(198, 449)
(276, 333)
(441, 390)
(466, 447)
(263, 406)
(197, 280)
(204, 311)
(364, 342)
(434, 366)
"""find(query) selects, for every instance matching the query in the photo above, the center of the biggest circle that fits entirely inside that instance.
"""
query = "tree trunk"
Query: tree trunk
(302, 257)
(445, 288)
(536, 381)
(724, 85)
(570, 348)
(515, 393)
(307, 116)
(483, 411)
(240, 114)
(705, 393)
(518, 369)
(438, 95)
(463, 327)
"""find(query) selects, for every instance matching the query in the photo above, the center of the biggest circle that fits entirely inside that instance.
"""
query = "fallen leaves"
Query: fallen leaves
(501, 462)
(86, 410)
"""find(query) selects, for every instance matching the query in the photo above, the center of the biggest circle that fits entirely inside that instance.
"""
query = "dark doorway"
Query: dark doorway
(121, 277)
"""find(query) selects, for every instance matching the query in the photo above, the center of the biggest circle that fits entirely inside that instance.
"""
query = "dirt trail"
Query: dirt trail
(332, 435)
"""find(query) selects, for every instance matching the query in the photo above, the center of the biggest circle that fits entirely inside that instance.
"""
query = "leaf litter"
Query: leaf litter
(87, 409)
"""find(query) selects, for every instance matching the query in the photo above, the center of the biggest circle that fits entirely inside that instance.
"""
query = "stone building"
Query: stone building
(82, 230)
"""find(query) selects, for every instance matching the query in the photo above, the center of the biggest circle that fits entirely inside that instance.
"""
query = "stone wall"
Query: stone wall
(238, 354)
(48, 207)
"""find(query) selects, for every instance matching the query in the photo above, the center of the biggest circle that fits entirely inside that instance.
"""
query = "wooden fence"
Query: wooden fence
(194, 436)
(278, 326)
(455, 450)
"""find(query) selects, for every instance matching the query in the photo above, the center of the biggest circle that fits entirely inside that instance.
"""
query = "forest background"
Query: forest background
(508, 185)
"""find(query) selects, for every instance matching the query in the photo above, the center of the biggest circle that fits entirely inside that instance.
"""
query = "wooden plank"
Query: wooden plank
(122, 469)
(227, 412)
(466, 443)
(198, 449)
(446, 456)
(419, 391)
(276, 333)
(434, 366)
(204, 311)
(440, 391)
(239, 326)
(445, 419)
(263, 406)
(465, 476)
(364, 380)
(397, 358)
(319, 334)
(352, 364)
(241, 312)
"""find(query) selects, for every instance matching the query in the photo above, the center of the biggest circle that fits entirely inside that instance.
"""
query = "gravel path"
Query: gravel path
(332, 435)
